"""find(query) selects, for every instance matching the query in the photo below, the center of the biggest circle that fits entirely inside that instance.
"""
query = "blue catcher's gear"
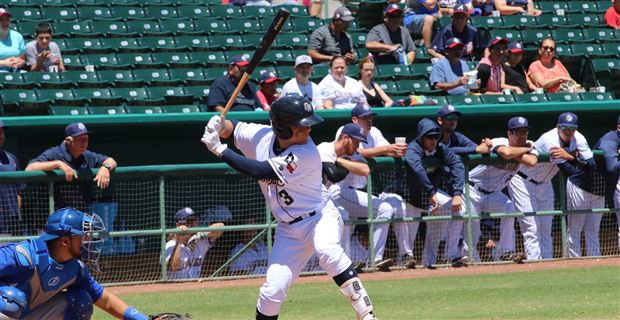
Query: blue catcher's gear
(12, 302)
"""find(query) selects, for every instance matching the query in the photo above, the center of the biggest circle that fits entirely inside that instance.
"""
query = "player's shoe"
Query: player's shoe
(409, 262)
(359, 266)
(369, 316)
(518, 257)
(384, 265)
(460, 262)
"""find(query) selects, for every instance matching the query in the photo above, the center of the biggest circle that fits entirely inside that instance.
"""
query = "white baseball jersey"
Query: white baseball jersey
(299, 188)
(328, 154)
(346, 97)
(545, 171)
(495, 177)
(309, 91)
(191, 260)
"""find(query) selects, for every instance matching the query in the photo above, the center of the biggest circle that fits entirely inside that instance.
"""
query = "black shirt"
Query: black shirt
(515, 76)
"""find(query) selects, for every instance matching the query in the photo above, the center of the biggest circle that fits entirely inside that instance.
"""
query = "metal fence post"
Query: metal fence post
(468, 215)
(268, 223)
(371, 231)
(162, 226)
(50, 197)
(563, 216)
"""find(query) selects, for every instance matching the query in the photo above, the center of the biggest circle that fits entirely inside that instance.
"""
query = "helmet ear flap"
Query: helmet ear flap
(285, 133)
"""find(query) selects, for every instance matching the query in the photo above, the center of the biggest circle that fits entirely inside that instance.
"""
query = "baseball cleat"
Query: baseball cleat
(384, 265)
(409, 262)
(460, 262)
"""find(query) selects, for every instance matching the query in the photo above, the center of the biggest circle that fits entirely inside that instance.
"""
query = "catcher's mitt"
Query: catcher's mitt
(169, 316)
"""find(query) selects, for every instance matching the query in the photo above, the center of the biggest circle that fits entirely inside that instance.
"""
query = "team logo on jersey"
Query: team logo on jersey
(53, 281)
(307, 107)
(290, 163)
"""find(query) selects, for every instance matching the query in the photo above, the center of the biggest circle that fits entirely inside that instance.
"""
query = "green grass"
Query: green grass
(578, 293)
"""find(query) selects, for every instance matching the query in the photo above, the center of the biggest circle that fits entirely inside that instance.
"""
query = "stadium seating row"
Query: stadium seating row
(521, 22)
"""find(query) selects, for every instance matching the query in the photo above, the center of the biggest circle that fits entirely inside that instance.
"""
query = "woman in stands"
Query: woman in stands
(548, 72)
(12, 46)
(375, 96)
(337, 90)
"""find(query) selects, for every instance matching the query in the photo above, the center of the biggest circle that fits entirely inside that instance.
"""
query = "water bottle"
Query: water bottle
(402, 56)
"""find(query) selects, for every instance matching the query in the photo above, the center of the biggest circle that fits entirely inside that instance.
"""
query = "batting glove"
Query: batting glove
(334, 191)
(216, 124)
(212, 141)
(193, 241)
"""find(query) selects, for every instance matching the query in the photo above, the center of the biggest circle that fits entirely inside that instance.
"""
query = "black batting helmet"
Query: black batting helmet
(291, 111)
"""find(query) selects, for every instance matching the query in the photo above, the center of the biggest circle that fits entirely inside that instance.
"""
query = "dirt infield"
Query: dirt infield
(396, 274)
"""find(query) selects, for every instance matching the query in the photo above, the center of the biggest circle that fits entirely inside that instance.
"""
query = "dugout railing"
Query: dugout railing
(140, 204)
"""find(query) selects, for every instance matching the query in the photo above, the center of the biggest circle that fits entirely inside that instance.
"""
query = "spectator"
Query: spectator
(423, 181)
(512, 7)
(252, 261)
(479, 7)
(268, 92)
(332, 39)
(461, 29)
(43, 54)
(10, 194)
(186, 251)
(490, 71)
(375, 96)
(73, 155)
(449, 73)
(12, 45)
(339, 91)
(548, 72)
(612, 15)
(224, 86)
(516, 76)
(389, 40)
(301, 84)
(610, 144)
(420, 17)
(447, 6)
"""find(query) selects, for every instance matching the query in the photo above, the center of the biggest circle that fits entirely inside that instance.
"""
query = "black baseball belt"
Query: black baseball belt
(525, 177)
(471, 183)
(303, 216)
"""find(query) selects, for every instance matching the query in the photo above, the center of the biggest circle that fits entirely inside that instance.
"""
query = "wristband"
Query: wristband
(132, 313)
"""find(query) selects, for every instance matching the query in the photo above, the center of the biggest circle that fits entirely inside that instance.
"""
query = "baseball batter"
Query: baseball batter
(610, 144)
(286, 162)
(486, 182)
(186, 251)
(35, 273)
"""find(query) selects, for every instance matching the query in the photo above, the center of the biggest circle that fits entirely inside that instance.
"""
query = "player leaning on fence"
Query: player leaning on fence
(286, 163)
(610, 144)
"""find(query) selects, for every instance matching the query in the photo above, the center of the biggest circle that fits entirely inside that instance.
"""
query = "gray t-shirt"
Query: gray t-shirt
(324, 41)
(380, 33)
(32, 51)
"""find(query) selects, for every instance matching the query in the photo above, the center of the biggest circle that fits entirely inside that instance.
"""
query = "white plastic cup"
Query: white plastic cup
(601, 89)
(400, 140)
(539, 91)
(53, 68)
(496, 13)
(507, 92)
(473, 77)
(89, 68)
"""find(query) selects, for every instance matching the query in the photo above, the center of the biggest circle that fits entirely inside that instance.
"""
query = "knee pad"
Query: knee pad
(356, 293)
(79, 305)
(12, 302)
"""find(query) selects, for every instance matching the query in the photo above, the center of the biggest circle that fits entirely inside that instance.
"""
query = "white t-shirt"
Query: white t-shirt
(496, 177)
(299, 188)
(309, 90)
(346, 97)
(191, 260)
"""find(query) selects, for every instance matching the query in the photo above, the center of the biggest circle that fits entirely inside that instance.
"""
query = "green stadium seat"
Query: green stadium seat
(83, 79)
(534, 37)
(133, 96)
(230, 42)
(27, 27)
(422, 87)
(189, 76)
(359, 39)
(291, 41)
(125, 13)
(484, 22)
(46, 79)
(587, 50)
(171, 95)
(111, 28)
(246, 26)
(86, 45)
(60, 96)
(320, 71)
(497, 98)
(563, 97)
(97, 96)
(178, 26)
(138, 60)
(596, 96)
(585, 20)
(306, 24)
(563, 49)
(73, 29)
(68, 111)
(464, 100)
(213, 73)
(295, 10)
(59, 13)
(390, 87)
(23, 102)
(187, 11)
(158, 44)
(611, 49)
(26, 13)
(104, 61)
(211, 58)
(421, 55)
(510, 35)
(187, 108)
(92, 13)
(212, 26)
(222, 11)
(252, 40)
(531, 98)
(567, 35)
(146, 28)
(353, 71)
(200, 93)
(73, 62)
(279, 57)
(552, 6)
(120, 78)
(421, 70)
(519, 22)
(439, 100)
(175, 60)
(393, 71)
(155, 77)
(125, 45)
(551, 21)
(195, 43)
(14, 81)
(285, 73)
(143, 109)
(258, 11)
(107, 110)
(584, 6)
(162, 12)
(600, 35)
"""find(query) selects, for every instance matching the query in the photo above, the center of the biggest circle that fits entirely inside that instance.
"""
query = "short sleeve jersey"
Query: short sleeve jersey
(298, 189)
(191, 260)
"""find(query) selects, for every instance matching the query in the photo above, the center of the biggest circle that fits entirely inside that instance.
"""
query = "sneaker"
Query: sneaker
(369, 316)
(409, 262)
(507, 256)
(460, 262)
(384, 265)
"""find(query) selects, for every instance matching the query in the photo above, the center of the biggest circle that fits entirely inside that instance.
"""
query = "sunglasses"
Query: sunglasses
(548, 48)
(451, 117)
(567, 128)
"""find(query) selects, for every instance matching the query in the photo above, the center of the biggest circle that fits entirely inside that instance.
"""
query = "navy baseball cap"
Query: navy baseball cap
(354, 131)
(183, 214)
(515, 47)
(240, 60)
(454, 43)
(618, 119)
(343, 14)
(362, 110)
(446, 110)
(268, 77)
(517, 122)
(496, 40)
(76, 129)
(568, 119)
(390, 8)
(460, 8)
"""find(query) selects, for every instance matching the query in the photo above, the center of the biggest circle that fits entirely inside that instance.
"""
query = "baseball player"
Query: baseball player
(351, 202)
(35, 273)
(287, 164)
(486, 182)
(186, 251)
(427, 161)
(374, 146)
(610, 144)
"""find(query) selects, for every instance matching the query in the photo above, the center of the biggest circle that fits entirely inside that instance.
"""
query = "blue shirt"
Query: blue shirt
(610, 144)
(27, 266)
(443, 71)
(12, 46)
(470, 37)
(460, 144)
(223, 88)
(8, 194)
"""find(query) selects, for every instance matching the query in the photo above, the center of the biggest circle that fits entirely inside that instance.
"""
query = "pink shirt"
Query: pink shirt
(557, 70)
(612, 18)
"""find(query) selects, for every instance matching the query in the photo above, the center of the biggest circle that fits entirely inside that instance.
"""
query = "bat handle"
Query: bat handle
(244, 79)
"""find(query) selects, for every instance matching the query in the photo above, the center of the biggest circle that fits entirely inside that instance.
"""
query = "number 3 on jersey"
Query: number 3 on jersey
(288, 200)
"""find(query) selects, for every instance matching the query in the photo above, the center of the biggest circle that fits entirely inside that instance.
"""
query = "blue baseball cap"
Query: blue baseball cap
(517, 122)
(568, 119)
(240, 60)
(354, 131)
(76, 129)
(64, 222)
(515, 47)
(268, 77)
(362, 110)
(446, 110)
(183, 214)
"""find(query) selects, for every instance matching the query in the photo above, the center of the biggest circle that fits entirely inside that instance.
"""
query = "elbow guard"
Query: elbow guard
(334, 172)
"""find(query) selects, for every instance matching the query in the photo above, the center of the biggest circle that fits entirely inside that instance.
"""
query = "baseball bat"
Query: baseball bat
(276, 25)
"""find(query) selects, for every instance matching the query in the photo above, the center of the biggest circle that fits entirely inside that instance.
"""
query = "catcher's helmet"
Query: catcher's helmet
(291, 111)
